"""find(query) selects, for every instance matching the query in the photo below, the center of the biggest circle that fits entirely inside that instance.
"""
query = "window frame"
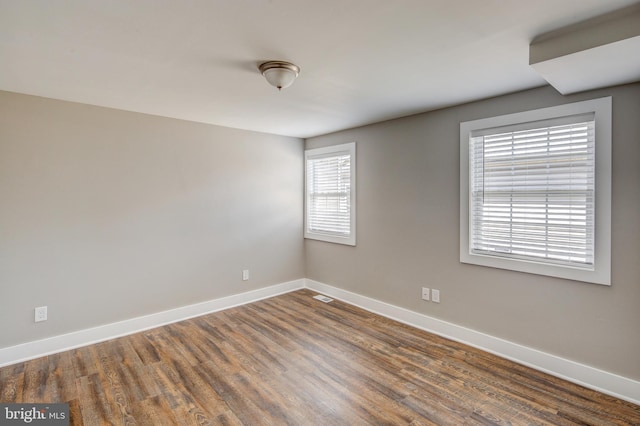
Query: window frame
(329, 151)
(601, 271)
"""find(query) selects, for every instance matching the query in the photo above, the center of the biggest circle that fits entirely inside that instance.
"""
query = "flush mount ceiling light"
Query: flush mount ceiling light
(279, 74)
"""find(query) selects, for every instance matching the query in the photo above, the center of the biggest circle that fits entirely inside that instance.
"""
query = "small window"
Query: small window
(330, 207)
(535, 191)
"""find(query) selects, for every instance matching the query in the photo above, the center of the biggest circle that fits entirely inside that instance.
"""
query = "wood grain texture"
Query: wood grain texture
(293, 360)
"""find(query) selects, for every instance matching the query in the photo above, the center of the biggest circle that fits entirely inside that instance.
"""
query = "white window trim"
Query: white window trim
(601, 274)
(349, 148)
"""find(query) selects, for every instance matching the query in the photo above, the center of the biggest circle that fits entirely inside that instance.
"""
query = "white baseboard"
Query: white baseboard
(609, 383)
(38, 348)
(593, 378)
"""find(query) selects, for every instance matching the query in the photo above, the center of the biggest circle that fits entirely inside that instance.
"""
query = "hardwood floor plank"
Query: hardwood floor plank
(82, 361)
(200, 392)
(152, 411)
(36, 373)
(12, 383)
(145, 350)
(294, 360)
(75, 413)
(240, 403)
(93, 404)
(227, 419)
(111, 384)
(64, 376)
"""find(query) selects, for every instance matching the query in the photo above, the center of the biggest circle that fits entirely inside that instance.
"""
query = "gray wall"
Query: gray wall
(107, 215)
(408, 237)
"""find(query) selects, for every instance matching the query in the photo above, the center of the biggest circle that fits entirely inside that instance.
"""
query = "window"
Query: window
(330, 198)
(535, 191)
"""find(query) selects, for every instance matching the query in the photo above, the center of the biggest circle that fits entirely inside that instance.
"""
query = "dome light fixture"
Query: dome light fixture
(279, 74)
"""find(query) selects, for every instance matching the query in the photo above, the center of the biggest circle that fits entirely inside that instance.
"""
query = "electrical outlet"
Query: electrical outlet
(425, 294)
(435, 296)
(41, 314)
(245, 275)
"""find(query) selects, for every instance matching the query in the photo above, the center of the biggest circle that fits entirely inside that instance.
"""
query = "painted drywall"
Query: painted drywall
(408, 237)
(108, 215)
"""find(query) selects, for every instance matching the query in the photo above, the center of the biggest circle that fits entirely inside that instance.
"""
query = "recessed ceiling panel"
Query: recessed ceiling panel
(601, 52)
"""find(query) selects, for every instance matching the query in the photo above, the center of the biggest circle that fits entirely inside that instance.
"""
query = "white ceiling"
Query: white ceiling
(362, 61)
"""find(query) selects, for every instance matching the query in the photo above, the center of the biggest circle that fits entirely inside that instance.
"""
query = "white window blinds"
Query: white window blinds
(532, 192)
(329, 198)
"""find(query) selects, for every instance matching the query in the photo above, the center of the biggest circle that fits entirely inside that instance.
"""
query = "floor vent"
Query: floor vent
(322, 298)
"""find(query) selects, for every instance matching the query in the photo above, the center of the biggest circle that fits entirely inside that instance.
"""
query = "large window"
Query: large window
(330, 182)
(535, 191)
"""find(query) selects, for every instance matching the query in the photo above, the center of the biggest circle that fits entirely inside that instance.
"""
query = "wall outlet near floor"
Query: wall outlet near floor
(40, 314)
(435, 296)
(425, 294)
(245, 275)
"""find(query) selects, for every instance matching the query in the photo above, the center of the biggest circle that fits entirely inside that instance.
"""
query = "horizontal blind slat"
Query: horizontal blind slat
(328, 192)
(532, 193)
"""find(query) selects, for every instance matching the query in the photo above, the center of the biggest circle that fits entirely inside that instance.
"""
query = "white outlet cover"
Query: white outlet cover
(425, 293)
(40, 314)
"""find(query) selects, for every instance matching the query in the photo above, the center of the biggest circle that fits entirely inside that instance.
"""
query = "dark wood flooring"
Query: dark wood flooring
(292, 360)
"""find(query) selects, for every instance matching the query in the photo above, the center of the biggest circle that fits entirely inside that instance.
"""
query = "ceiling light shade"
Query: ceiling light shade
(279, 74)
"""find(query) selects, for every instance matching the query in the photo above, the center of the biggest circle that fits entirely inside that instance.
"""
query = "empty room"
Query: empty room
(295, 212)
